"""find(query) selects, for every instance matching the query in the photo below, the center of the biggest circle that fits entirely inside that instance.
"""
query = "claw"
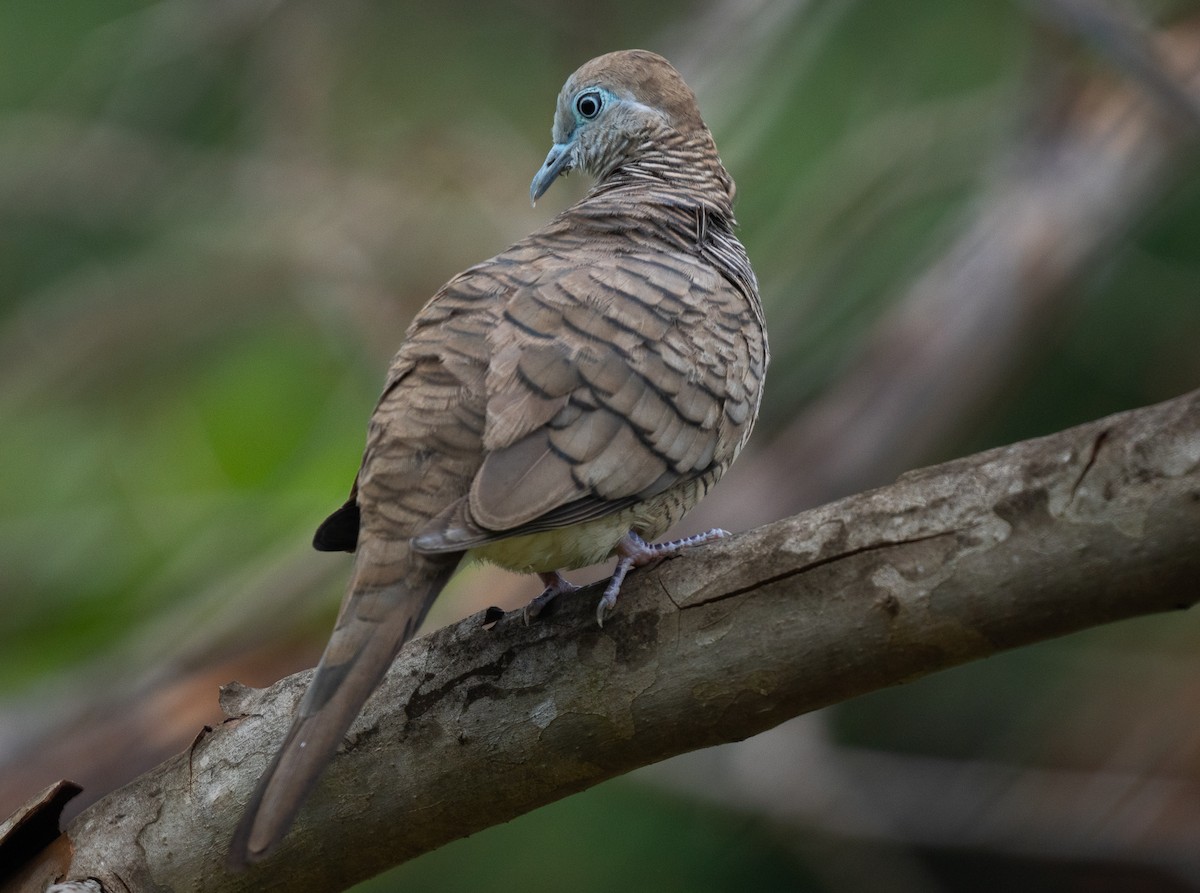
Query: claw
(556, 585)
(608, 601)
(607, 605)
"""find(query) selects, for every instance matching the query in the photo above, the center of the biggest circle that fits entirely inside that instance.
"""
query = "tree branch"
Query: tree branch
(475, 726)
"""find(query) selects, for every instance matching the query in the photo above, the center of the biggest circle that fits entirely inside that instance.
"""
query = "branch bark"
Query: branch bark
(475, 726)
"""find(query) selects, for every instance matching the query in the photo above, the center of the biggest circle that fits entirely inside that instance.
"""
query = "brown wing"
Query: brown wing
(608, 384)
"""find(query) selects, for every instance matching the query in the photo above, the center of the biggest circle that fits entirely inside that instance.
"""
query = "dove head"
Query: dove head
(614, 108)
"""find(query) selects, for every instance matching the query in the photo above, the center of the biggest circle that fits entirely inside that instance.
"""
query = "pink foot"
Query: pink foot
(633, 551)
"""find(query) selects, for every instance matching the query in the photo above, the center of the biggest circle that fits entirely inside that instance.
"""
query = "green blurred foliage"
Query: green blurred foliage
(1132, 339)
(611, 837)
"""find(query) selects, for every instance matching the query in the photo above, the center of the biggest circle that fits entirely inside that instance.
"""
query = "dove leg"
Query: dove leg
(556, 585)
(633, 551)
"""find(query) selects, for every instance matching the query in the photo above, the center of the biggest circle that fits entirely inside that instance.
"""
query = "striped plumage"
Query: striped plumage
(549, 406)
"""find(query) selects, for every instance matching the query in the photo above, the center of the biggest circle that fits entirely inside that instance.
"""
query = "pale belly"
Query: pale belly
(592, 542)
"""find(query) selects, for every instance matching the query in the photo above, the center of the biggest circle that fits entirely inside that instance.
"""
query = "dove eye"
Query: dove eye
(588, 104)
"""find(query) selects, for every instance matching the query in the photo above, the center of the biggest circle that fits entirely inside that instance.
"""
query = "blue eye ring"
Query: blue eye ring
(588, 104)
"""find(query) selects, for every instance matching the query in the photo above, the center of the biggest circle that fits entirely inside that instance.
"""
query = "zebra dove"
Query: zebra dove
(563, 402)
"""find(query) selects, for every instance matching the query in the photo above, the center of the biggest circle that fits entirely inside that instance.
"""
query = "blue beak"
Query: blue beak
(557, 162)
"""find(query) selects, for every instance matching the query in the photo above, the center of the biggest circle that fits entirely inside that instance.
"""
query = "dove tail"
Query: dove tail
(377, 617)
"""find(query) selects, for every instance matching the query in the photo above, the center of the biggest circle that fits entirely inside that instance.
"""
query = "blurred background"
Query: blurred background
(973, 222)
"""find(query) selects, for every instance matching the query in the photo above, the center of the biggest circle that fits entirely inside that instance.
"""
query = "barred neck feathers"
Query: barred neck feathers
(674, 169)
(672, 190)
